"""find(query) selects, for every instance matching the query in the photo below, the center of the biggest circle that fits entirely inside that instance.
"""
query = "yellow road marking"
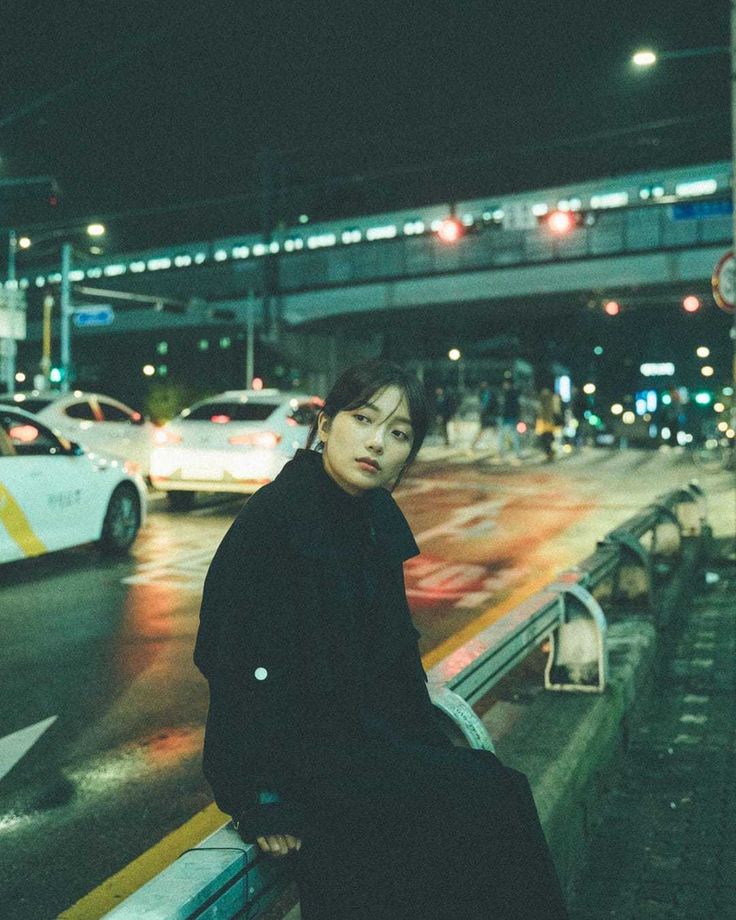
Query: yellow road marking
(18, 525)
(133, 876)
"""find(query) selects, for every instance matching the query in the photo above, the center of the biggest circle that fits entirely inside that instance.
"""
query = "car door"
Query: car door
(50, 497)
(123, 432)
(78, 421)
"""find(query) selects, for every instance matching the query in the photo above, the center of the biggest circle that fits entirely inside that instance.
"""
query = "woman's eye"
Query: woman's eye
(358, 416)
(402, 435)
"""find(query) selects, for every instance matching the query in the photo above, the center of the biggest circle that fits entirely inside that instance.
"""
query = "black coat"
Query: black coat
(317, 692)
(284, 594)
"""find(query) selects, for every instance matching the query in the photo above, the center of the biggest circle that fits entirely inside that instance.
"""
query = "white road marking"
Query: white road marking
(17, 744)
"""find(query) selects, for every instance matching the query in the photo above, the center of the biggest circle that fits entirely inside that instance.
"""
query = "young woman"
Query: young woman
(321, 739)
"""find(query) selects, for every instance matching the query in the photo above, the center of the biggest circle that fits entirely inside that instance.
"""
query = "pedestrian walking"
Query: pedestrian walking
(445, 408)
(549, 421)
(508, 429)
(488, 415)
(321, 738)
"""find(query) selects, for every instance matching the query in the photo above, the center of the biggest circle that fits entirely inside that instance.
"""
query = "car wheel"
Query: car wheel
(180, 501)
(122, 521)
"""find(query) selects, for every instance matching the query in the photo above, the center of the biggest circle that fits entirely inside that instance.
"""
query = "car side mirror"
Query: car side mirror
(75, 450)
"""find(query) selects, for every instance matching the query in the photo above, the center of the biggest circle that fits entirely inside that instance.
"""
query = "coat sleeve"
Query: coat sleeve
(244, 649)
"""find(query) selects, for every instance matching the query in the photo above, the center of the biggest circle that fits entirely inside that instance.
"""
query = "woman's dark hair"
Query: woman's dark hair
(358, 384)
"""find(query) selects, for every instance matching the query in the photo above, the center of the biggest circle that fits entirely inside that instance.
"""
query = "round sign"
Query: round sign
(723, 283)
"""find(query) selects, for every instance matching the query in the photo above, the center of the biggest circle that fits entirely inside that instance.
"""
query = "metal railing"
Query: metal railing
(224, 877)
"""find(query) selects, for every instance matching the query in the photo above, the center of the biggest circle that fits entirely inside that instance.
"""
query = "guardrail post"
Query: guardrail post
(639, 558)
(578, 655)
(461, 714)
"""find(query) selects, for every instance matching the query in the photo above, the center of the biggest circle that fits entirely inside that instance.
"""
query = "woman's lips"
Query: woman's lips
(369, 467)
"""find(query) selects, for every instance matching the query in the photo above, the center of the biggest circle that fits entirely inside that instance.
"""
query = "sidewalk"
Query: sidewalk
(664, 845)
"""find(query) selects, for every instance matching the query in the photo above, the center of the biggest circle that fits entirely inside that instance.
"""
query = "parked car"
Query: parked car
(234, 442)
(96, 421)
(53, 494)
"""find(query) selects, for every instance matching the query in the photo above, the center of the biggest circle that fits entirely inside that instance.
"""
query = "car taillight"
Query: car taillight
(256, 439)
(131, 467)
(166, 436)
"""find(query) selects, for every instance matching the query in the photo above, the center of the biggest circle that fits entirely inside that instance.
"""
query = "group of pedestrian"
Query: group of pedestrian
(500, 417)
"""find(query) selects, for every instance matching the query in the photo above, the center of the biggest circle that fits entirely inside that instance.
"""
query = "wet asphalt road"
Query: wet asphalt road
(104, 649)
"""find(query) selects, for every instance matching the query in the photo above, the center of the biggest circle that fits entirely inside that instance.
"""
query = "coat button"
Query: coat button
(260, 673)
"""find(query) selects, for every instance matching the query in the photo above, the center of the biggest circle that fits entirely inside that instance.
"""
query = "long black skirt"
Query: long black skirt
(405, 831)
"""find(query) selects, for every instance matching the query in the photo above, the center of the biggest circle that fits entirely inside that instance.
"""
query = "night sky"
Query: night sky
(364, 106)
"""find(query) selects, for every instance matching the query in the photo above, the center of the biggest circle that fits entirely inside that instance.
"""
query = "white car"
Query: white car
(97, 422)
(234, 442)
(53, 494)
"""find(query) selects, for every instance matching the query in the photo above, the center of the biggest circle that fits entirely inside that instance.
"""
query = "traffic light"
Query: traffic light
(563, 222)
(691, 303)
(450, 230)
(612, 308)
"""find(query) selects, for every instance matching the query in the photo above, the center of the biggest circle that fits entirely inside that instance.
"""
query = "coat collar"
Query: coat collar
(318, 506)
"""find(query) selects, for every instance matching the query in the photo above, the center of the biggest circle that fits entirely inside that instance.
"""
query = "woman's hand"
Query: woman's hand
(279, 844)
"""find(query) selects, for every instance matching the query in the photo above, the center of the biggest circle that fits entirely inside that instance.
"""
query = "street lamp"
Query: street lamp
(454, 354)
(95, 231)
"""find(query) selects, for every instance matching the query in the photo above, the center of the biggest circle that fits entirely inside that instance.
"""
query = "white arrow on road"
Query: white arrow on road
(15, 746)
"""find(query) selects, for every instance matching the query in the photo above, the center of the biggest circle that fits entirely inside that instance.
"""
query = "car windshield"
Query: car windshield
(33, 404)
(229, 411)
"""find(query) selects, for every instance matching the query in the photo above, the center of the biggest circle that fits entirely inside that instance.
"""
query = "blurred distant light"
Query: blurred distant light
(24, 242)
(564, 387)
(707, 370)
(612, 307)
(657, 369)
(149, 370)
(693, 189)
(521, 427)
(645, 57)
(723, 426)
(728, 391)
(617, 409)
(20, 377)
(454, 354)
(450, 230)
(303, 218)
(718, 407)
(589, 389)
(610, 200)
(96, 229)
(730, 432)
(257, 383)
(666, 399)
(560, 222)
(702, 352)
(651, 398)
(703, 399)
(666, 434)
(640, 406)
(598, 350)
(683, 438)
(691, 303)
(628, 418)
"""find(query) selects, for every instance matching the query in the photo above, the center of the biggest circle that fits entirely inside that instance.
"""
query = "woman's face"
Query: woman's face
(379, 432)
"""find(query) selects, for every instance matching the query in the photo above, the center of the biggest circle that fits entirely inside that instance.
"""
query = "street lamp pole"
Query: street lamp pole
(65, 307)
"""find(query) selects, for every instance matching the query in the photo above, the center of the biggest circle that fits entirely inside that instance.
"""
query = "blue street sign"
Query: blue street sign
(98, 315)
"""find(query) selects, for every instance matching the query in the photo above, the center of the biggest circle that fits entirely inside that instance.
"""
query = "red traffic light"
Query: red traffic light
(612, 307)
(560, 221)
(450, 230)
(691, 303)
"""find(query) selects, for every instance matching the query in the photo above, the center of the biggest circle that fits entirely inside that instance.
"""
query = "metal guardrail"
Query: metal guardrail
(223, 877)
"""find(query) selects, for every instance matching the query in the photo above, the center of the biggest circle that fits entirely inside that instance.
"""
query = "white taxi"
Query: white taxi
(234, 442)
(96, 421)
(53, 494)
